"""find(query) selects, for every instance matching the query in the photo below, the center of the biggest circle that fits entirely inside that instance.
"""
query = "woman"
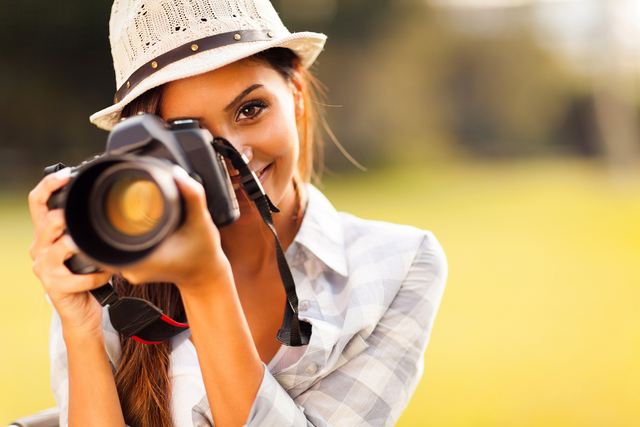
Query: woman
(370, 290)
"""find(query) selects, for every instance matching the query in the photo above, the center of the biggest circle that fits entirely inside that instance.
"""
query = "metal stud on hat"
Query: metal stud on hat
(157, 41)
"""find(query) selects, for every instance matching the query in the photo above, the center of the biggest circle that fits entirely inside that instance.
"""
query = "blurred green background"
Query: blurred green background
(510, 128)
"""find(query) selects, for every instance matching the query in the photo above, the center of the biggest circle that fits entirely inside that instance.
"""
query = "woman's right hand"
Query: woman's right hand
(81, 314)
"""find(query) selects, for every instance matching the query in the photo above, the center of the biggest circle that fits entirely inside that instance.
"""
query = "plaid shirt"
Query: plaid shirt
(371, 290)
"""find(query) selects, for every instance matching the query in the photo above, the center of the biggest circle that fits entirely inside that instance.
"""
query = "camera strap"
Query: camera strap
(137, 318)
(142, 321)
(293, 332)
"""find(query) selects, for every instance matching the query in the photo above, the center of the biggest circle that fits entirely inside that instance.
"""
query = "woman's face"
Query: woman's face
(256, 110)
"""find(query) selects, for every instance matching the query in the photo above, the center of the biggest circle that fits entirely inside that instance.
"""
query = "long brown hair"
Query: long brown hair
(142, 378)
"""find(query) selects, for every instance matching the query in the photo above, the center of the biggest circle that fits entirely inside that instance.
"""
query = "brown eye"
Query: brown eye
(251, 110)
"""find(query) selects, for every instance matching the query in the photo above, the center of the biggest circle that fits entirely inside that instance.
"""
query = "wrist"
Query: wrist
(82, 335)
(216, 278)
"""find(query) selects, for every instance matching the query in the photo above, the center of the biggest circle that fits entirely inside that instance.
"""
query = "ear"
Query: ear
(297, 82)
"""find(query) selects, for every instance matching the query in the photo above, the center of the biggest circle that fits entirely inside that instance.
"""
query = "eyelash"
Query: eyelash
(258, 104)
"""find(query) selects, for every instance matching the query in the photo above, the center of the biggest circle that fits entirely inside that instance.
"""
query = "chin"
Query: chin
(249, 213)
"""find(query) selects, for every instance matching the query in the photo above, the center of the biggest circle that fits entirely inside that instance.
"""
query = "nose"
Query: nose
(241, 147)
(247, 151)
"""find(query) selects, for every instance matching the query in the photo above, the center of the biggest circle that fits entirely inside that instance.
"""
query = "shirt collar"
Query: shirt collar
(322, 233)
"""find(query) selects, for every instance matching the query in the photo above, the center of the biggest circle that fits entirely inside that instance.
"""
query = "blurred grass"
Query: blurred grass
(540, 322)
(24, 318)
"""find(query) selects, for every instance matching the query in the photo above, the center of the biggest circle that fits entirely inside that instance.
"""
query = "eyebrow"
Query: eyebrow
(244, 93)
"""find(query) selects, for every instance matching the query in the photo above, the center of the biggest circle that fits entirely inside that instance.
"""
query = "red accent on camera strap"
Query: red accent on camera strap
(136, 318)
(140, 340)
(173, 322)
(142, 321)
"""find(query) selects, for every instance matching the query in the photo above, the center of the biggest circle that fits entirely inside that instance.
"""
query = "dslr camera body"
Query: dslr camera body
(122, 204)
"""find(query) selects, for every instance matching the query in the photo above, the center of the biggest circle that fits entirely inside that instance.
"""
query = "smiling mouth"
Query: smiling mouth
(235, 179)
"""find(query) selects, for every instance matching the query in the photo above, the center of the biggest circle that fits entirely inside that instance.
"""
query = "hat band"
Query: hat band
(189, 49)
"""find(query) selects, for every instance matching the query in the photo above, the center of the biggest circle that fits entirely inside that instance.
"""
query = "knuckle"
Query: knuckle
(131, 278)
(100, 279)
(34, 198)
(56, 218)
(36, 267)
(194, 187)
(33, 195)
(199, 191)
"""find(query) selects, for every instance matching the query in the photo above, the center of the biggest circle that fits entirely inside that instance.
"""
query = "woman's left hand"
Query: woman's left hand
(192, 255)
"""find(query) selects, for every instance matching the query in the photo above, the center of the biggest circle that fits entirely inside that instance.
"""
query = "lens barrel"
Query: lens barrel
(120, 209)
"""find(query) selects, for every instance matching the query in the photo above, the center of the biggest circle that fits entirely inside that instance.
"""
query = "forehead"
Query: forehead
(222, 85)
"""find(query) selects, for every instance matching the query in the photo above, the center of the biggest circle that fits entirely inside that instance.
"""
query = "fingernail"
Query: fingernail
(181, 174)
(70, 243)
(63, 173)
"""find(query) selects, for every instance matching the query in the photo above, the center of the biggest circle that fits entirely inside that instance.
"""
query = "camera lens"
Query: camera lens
(134, 205)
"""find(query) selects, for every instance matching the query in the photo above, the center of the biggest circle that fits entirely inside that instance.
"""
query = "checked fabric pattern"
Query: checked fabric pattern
(371, 291)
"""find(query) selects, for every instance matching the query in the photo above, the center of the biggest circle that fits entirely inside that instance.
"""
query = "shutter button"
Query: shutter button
(304, 305)
(311, 368)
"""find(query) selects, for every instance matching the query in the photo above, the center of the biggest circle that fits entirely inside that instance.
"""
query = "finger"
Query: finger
(64, 248)
(39, 196)
(132, 277)
(192, 193)
(57, 278)
(47, 232)
(88, 282)
(51, 261)
(67, 283)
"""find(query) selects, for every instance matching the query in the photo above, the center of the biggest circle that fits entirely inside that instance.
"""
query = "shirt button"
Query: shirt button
(311, 368)
(304, 305)
(299, 258)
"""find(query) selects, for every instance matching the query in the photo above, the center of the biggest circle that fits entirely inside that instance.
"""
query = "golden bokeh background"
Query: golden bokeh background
(509, 128)
(539, 324)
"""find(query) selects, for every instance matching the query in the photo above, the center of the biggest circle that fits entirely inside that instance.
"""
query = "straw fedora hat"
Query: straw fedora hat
(157, 41)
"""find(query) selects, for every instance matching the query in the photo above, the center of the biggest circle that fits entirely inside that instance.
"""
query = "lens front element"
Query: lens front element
(134, 206)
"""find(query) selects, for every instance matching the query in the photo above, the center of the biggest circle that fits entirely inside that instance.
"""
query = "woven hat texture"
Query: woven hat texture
(142, 30)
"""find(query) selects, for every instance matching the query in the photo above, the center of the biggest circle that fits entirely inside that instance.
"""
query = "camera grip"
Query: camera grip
(79, 264)
(55, 200)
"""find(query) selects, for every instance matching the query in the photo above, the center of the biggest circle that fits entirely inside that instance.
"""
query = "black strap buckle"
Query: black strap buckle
(137, 318)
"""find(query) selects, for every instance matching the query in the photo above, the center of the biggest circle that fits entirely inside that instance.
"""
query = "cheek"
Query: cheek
(276, 138)
(287, 141)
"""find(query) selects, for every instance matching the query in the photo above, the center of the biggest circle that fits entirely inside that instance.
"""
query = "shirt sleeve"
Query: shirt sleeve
(59, 369)
(58, 360)
(374, 387)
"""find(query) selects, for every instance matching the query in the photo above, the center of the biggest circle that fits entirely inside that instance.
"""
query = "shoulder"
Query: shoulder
(388, 249)
(384, 240)
(391, 259)
(375, 260)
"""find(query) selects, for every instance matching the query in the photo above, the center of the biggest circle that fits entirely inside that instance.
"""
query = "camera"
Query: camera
(121, 205)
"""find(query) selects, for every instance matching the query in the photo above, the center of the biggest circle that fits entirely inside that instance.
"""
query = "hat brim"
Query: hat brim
(306, 45)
